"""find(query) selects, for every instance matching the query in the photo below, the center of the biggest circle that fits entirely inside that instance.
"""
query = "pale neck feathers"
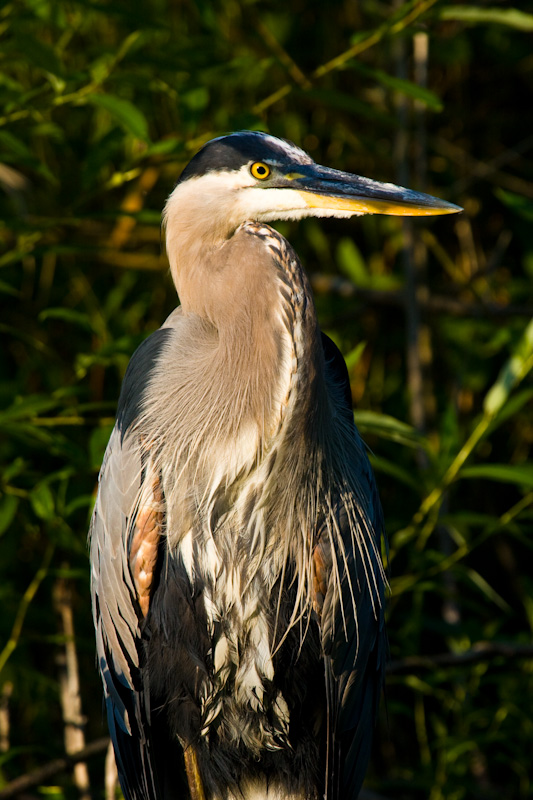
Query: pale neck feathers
(228, 277)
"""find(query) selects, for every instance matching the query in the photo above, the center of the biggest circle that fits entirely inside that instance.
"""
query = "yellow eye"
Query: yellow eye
(260, 170)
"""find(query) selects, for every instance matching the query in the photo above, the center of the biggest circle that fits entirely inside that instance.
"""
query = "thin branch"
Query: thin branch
(411, 12)
(488, 171)
(282, 55)
(133, 203)
(412, 262)
(43, 774)
(479, 653)
(324, 284)
(69, 684)
(111, 773)
(28, 596)
(5, 721)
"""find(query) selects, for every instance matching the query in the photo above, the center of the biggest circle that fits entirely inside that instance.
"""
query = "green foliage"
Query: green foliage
(102, 105)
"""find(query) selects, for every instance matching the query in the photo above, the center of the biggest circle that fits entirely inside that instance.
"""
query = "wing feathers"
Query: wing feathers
(128, 512)
(352, 616)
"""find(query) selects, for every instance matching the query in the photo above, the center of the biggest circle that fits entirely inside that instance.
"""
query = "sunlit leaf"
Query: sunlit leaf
(399, 473)
(350, 103)
(485, 15)
(42, 501)
(513, 405)
(522, 205)
(387, 427)
(515, 369)
(67, 315)
(15, 145)
(351, 262)
(98, 443)
(83, 501)
(354, 356)
(11, 471)
(25, 407)
(420, 93)
(520, 474)
(124, 112)
(170, 145)
(196, 99)
(487, 589)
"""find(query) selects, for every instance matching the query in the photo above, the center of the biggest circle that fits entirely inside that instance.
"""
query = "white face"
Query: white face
(218, 202)
(227, 199)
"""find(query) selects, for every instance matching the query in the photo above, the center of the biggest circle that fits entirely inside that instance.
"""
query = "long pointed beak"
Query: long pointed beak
(347, 194)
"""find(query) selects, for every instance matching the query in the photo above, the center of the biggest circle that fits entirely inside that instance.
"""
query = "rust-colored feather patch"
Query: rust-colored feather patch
(321, 569)
(145, 542)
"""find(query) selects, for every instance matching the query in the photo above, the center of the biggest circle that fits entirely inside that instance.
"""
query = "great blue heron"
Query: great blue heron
(236, 570)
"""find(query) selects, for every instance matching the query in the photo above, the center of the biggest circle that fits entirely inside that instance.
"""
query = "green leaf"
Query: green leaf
(6, 288)
(398, 473)
(98, 443)
(82, 501)
(466, 519)
(67, 315)
(512, 17)
(387, 427)
(42, 501)
(8, 509)
(14, 151)
(418, 685)
(520, 474)
(124, 112)
(27, 407)
(487, 589)
(352, 262)
(513, 371)
(14, 145)
(522, 205)
(354, 355)
(346, 102)
(196, 99)
(420, 93)
(512, 407)
(38, 53)
(14, 469)
(165, 146)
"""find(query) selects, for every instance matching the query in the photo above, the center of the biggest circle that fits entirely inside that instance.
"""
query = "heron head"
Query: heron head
(255, 176)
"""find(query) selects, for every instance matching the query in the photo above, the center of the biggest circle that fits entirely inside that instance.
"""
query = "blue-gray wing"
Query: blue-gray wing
(351, 587)
(126, 490)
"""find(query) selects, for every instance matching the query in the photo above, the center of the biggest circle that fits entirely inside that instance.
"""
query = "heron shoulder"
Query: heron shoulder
(136, 380)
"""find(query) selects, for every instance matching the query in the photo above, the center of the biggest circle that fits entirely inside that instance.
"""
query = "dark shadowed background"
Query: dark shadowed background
(102, 105)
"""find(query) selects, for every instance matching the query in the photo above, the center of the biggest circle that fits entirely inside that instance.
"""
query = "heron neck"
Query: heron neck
(253, 290)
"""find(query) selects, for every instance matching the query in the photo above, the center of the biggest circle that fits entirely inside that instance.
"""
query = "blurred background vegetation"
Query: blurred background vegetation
(103, 102)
